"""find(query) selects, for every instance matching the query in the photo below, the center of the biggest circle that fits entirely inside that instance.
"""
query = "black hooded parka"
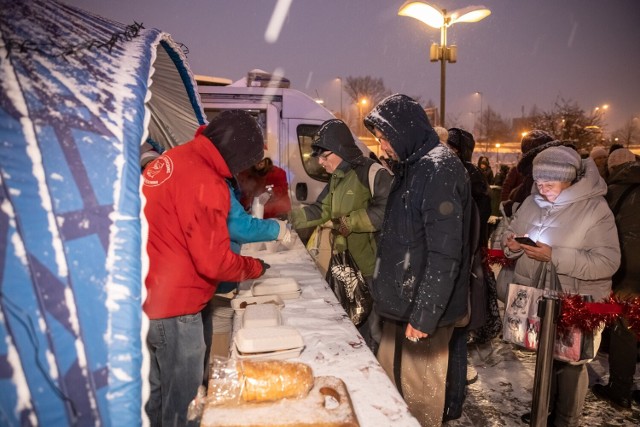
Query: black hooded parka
(422, 266)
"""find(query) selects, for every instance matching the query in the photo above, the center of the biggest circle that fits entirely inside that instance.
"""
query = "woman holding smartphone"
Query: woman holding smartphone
(570, 225)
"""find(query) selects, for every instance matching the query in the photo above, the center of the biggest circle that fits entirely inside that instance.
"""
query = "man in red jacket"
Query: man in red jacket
(189, 252)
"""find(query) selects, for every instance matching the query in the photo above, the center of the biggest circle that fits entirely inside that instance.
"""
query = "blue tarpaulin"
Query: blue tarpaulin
(78, 96)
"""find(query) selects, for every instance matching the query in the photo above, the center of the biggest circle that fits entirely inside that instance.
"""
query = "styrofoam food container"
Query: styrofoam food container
(274, 286)
(271, 338)
(260, 316)
(291, 295)
(239, 307)
(280, 354)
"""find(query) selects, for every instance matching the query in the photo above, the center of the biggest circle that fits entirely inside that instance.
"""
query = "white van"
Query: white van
(288, 118)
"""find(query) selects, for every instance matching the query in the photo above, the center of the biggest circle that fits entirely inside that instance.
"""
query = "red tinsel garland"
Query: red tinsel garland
(496, 257)
(588, 316)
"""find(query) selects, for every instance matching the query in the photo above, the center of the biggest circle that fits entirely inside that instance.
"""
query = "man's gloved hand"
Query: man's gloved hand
(341, 225)
(265, 266)
(284, 235)
(264, 197)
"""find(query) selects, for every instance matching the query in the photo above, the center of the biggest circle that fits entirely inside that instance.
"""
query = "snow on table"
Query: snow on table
(333, 346)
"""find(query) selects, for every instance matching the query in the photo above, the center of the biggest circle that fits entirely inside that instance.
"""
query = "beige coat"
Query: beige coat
(581, 230)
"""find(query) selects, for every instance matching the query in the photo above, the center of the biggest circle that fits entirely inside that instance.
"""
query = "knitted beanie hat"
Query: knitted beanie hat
(598, 152)
(557, 164)
(620, 157)
(238, 137)
(534, 139)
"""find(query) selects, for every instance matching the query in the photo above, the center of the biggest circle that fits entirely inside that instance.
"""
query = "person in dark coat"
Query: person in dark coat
(623, 196)
(529, 141)
(421, 281)
(525, 169)
(463, 144)
(503, 171)
(485, 168)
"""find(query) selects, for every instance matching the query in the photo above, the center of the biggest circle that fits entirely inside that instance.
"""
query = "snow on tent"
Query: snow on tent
(78, 96)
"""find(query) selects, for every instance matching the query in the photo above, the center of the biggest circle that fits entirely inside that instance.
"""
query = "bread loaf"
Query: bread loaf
(270, 380)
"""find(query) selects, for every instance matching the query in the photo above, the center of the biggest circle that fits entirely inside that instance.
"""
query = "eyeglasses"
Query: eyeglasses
(325, 155)
(380, 138)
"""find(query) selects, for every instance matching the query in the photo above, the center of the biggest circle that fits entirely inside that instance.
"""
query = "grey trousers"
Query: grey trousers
(423, 370)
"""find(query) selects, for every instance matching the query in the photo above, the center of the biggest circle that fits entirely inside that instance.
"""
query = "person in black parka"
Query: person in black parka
(421, 280)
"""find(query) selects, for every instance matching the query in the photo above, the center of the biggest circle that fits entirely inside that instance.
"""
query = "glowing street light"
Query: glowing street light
(441, 19)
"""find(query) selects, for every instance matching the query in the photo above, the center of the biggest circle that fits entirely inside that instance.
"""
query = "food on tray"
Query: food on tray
(240, 303)
(244, 304)
(274, 380)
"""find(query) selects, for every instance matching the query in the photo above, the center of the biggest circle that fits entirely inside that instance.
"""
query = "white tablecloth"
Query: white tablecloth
(333, 345)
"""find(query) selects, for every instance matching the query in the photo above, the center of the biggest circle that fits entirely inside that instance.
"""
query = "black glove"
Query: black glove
(264, 267)
(340, 224)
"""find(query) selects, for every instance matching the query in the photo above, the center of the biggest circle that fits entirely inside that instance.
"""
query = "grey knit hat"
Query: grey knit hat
(620, 157)
(557, 164)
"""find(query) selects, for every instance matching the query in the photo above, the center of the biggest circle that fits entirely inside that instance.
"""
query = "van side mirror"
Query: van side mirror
(301, 191)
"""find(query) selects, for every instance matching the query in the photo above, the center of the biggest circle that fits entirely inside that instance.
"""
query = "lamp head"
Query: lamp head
(430, 15)
(437, 18)
(469, 14)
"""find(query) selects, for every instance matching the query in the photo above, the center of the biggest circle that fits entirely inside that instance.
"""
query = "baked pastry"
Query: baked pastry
(269, 380)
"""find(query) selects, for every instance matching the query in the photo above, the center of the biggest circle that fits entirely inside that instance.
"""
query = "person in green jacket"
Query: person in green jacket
(353, 202)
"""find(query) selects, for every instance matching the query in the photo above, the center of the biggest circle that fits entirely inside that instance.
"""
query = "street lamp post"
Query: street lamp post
(441, 19)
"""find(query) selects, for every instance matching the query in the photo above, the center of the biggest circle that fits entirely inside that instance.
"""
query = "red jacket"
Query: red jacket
(252, 184)
(188, 246)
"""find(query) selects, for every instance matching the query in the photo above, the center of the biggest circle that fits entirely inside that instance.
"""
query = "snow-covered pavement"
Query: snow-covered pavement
(505, 381)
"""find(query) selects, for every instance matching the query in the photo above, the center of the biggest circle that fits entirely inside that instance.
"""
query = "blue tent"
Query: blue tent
(78, 96)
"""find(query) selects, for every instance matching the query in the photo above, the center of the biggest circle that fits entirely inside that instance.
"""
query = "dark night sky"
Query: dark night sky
(526, 53)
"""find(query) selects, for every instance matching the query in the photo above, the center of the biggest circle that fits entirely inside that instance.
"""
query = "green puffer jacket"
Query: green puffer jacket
(348, 195)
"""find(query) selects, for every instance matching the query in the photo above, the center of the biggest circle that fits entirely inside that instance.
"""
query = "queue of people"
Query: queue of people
(409, 226)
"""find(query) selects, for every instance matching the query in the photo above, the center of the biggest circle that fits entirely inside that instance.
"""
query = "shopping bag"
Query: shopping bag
(521, 322)
(349, 286)
(573, 345)
(319, 246)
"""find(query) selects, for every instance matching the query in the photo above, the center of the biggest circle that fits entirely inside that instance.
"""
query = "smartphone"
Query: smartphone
(525, 241)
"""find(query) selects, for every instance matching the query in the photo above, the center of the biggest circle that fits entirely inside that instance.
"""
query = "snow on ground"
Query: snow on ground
(505, 382)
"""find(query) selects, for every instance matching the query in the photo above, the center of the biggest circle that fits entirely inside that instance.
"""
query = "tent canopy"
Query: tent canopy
(78, 96)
